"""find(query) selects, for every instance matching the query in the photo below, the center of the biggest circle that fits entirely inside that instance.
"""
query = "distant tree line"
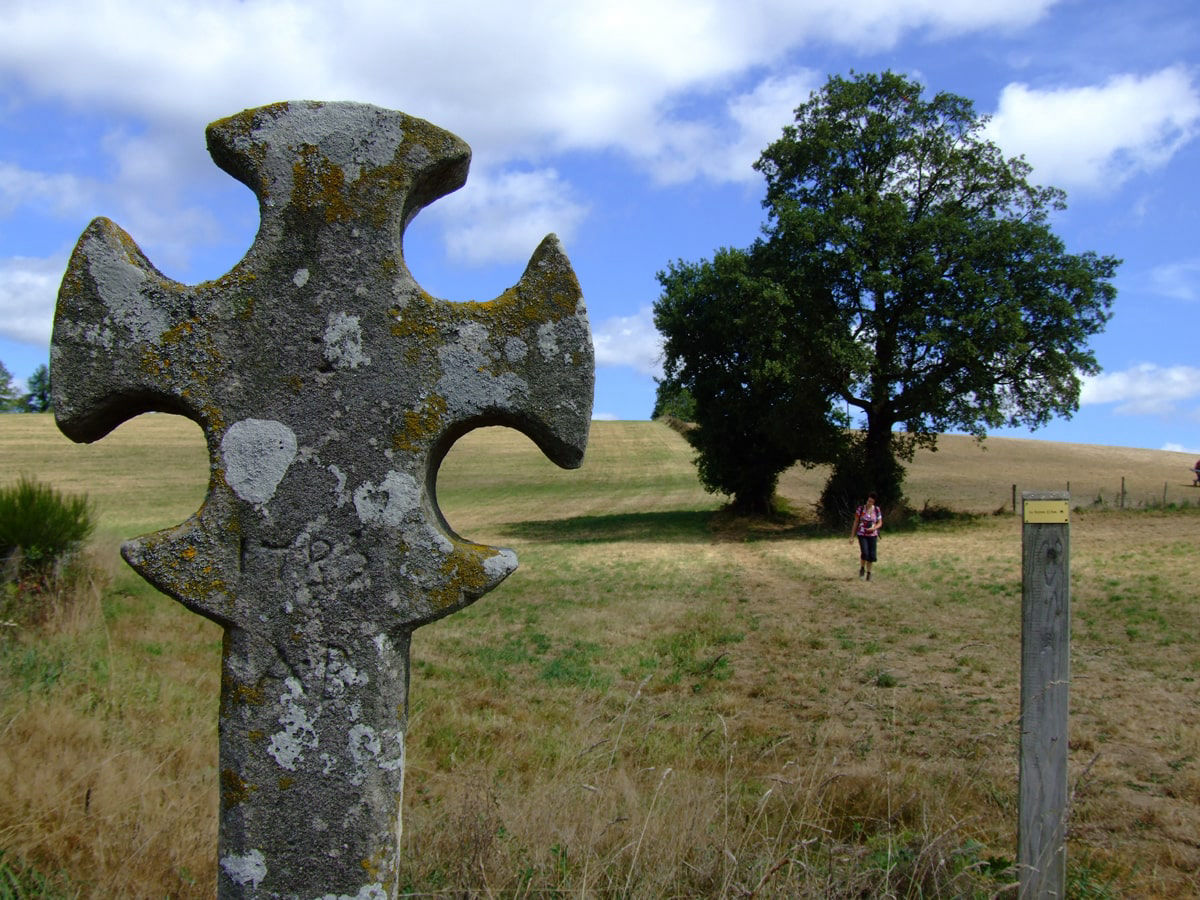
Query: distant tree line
(907, 281)
(36, 399)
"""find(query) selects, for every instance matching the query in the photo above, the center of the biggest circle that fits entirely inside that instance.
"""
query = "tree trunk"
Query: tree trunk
(883, 472)
(758, 503)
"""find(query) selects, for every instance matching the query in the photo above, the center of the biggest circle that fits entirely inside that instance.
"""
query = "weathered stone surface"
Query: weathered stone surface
(329, 387)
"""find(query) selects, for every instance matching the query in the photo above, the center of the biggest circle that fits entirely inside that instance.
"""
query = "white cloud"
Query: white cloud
(630, 341)
(145, 195)
(519, 84)
(28, 287)
(1179, 448)
(1179, 280)
(1146, 389)
(604, 417)
(546, 76)
(726, 150)
(62, 194)
(504, 217)
(1099, 135)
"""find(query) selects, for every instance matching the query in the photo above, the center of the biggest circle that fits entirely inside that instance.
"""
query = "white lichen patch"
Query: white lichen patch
(515, 350)
(364, 748)
(98, 336)
(248, 869)
(257, 454)
(287, 747)
(119, 282)
(388, 503)
(372, 891)
(300, 279)
(343, 342)
(426, 538)
(468, 382)
(340, 676)
(340, 491)
(500, 566)
(396, 761)
(547, 340)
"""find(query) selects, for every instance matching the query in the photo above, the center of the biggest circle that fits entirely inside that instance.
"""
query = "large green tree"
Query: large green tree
(908, 269)
(926, 258)
(38, 397)
(9, 396)
(732, 347)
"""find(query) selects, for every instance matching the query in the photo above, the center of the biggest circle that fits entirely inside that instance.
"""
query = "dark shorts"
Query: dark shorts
(867, 547)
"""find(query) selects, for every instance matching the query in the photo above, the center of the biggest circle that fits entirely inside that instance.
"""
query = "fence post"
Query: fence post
(1045, 674)
(1122, 492)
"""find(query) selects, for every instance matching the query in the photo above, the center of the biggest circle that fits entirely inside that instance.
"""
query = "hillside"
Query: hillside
(654, 704)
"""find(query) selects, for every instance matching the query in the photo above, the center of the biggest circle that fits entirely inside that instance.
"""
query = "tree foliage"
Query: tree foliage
(38, 398)
(673, 400)
(731, 345)
(9, 396)
(949, 301)
(916, 266)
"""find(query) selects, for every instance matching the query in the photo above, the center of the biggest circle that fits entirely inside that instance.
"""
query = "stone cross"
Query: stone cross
(329, 387)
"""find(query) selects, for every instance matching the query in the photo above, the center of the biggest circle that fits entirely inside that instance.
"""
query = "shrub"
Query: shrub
(40, 527)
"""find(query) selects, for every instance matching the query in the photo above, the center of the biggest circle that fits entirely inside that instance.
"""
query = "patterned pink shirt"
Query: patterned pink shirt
(867, 521)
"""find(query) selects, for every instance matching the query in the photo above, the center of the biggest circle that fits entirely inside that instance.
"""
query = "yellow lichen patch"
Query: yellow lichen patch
(421, 426)
(154, 365)
(376, 191)
(245, 694)
(213, 419)
(247, 120)
(189, 553)
(73, 281)
(234, 788)
(408, 327)
(373, 865)
(464, 575)
(525, 306)
(255, 735)
(420, 320)
(179, 332)
(285, 782)
(238, 276)
(318, 186)
(242, 125)
(296, 383)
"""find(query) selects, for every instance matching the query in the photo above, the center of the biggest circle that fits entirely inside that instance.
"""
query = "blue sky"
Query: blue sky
(626, 126)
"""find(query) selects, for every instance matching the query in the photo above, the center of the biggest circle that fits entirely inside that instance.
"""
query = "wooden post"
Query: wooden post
(1164, 506)
(1122, 492)
(1045, 674)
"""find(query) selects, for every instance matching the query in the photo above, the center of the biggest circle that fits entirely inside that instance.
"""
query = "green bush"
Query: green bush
(21, 882)
(39, 527)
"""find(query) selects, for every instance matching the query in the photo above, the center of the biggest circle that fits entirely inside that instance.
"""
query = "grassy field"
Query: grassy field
(661, 701)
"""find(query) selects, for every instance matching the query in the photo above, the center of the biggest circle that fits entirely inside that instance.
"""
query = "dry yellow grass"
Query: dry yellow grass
(967, 475)
(652, 705)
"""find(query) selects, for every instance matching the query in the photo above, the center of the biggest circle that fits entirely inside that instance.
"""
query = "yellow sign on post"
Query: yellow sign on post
(1047, 512)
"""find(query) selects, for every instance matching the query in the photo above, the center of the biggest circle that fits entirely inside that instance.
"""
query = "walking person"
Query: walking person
(867, 521)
